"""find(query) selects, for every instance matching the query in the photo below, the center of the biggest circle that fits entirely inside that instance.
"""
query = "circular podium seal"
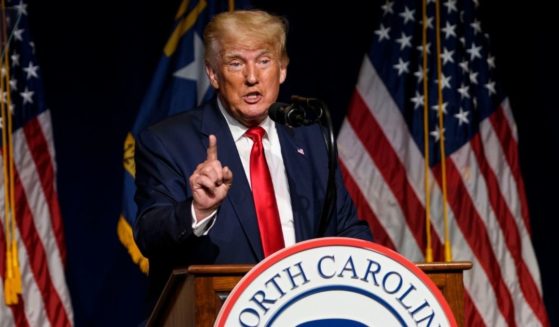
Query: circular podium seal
(335, 281)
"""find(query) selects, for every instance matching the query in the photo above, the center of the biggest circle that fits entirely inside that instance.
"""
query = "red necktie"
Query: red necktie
(264, 196)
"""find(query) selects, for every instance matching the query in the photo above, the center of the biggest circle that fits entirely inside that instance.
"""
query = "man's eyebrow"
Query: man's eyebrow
(235, 54)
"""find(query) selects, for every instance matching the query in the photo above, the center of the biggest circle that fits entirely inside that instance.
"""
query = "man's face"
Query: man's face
(247, 79)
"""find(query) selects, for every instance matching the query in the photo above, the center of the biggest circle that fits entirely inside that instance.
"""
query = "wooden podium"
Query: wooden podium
(194, 295)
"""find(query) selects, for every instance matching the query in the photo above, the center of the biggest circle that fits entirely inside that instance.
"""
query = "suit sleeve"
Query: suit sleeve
(164, 219)
(348, 223)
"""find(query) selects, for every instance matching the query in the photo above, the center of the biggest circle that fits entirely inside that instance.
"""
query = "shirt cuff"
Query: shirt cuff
(202, 227)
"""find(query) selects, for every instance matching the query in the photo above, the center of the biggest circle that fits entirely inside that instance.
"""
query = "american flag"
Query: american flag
(31, 233)
(382, 154)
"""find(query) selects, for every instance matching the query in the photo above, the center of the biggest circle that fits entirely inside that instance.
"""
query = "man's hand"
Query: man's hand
(210, 182)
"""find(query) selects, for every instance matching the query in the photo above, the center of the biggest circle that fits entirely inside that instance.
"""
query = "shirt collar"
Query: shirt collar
(238, 130)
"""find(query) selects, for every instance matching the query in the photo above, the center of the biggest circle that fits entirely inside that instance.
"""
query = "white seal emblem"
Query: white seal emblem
(335, 281)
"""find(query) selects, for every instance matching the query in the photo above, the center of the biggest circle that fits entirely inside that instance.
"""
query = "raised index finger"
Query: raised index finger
(212, 148)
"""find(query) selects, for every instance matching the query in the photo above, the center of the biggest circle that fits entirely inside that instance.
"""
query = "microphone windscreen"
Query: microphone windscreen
(277, 112)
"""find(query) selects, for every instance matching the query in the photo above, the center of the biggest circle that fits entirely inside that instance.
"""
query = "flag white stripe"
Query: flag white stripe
(34, 306)
(36, 199)
(382, 108)
(467, 164)
(510, 119)
(38, 205)
(496, 159)
(6, 317)
(509, 191)
(44, 120)
(375, 190)
(476, 283)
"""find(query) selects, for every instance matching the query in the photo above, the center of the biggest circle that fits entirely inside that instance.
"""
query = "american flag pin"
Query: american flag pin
(301, 151)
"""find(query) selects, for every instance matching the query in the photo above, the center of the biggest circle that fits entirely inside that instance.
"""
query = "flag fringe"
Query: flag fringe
(124, 231)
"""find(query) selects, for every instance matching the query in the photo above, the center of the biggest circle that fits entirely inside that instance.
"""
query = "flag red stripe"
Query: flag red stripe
(472, 316)
(38, 259)
(475, 233)
(40, 153)
(394, 173)
(510, 230)
(18, 311)
(510, 150)
(364, 211)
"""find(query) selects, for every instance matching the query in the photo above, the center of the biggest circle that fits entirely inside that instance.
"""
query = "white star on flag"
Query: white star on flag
(31, 70)
(195, 71)
(27, 96)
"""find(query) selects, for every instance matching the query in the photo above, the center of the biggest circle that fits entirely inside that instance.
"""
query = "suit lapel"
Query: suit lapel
(240, 195)
(298, 169)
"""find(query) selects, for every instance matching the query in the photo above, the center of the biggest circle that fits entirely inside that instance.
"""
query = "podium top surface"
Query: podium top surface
(244, 268)
(444, 266)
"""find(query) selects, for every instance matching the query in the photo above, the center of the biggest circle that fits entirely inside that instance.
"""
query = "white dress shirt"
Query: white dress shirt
(272, 151)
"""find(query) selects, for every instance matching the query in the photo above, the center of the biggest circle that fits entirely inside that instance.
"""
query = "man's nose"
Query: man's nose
(251, 75)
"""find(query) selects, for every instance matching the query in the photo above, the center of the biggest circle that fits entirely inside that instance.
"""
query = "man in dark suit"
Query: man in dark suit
(195, 199)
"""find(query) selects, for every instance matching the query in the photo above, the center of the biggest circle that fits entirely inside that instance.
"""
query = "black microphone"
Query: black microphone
(302, 112)
(292, 115)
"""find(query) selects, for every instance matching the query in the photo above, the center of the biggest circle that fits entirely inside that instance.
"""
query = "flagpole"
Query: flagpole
(447, 248)
(428, 245)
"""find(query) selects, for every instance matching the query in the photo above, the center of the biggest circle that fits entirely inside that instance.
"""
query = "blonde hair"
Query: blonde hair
(248, 26)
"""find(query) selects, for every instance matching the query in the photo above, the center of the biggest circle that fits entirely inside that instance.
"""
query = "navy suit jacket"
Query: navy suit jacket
(168, 152)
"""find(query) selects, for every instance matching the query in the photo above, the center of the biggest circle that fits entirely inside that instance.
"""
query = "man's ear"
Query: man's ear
(212, 75)
(283, 73)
